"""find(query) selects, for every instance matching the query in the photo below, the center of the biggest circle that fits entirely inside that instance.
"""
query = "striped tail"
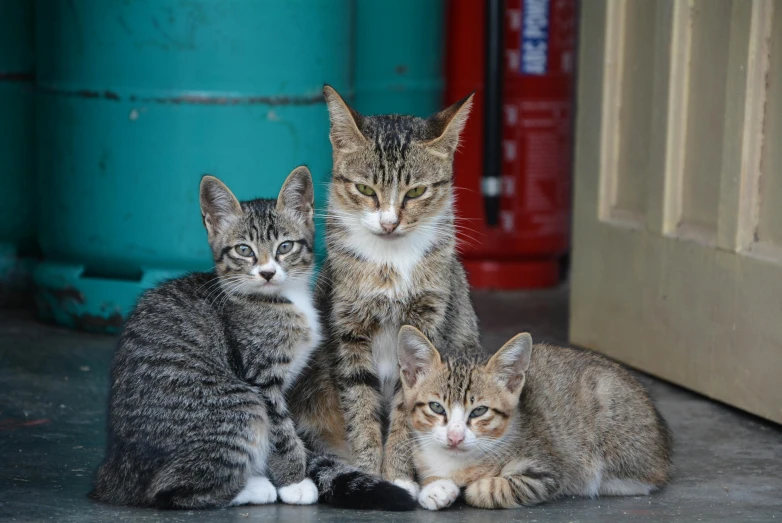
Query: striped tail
(345, 486)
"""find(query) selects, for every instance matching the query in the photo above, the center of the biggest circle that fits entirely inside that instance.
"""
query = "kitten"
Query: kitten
(197, 417)
(529, 425)
(391, 261)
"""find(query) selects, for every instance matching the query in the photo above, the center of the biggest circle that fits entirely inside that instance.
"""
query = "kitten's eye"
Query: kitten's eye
(285, 248)
(436, 408)
(365, 190)
(244, 250)
(415, 192)
(480, 411)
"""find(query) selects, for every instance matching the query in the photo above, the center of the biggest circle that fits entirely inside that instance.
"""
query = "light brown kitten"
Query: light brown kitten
(528, 425)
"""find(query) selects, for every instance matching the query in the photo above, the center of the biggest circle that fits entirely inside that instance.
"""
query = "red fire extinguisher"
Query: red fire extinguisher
(513, 169)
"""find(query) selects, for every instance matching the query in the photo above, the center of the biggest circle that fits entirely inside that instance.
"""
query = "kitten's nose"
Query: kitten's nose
(389, 227)
(454, 438)
(268, 275)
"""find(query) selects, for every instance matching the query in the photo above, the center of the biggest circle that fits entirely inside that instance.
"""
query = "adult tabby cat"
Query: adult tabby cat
(391, 261)
(197, 414)
(528, 425)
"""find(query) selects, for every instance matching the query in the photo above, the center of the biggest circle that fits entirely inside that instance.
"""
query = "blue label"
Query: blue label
(534, 37)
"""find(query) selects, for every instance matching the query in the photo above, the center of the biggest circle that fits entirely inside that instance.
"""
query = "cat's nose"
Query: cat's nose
(454, 438)
(389, 227)
(268, 275)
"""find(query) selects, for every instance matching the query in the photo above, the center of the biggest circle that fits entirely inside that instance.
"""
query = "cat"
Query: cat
(528, 425)
(391, 260)
(197, 415)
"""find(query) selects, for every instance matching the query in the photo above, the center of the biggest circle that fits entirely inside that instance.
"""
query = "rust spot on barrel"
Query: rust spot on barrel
(206, 99)
(95, 323)
(66, 294)
(188, 98)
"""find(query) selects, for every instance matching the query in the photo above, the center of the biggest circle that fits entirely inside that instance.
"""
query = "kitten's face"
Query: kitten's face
(261, 246)
(464, 407)
(392, 174)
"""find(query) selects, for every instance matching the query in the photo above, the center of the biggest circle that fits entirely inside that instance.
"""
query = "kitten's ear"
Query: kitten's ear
(297, 193)
(511, 362)
(447, 125)
(417, 356)
(219, 207)
(345, 134)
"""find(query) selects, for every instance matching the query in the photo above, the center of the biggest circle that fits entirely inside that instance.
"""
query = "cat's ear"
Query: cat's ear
(446, 126)
(509, 365)
(219, 206)
(345, 134)
(417, 356)
(297, 193)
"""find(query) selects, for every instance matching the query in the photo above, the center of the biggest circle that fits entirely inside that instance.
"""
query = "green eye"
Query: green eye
(244, 250)
(480, 411)
(285, 248)
(415, 192)
(365, 190)
(436, 408)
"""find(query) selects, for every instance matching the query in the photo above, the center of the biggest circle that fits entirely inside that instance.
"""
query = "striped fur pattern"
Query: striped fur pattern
(391, 261)
(197, 415)
(528, 425)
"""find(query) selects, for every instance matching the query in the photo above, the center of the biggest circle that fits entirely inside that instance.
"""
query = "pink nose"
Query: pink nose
(454, 439)
(389, 227)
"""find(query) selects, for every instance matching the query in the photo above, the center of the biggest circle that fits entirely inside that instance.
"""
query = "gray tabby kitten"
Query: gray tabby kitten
(528, 425)
(391, 261)
(197, 415)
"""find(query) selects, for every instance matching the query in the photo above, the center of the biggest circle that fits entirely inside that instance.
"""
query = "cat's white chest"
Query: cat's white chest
(385, 358)
(302, 302)
(437, 462)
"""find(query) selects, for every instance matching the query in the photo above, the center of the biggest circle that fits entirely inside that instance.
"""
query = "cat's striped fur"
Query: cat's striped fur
(391, 261)
(197, 414)
(528, 425)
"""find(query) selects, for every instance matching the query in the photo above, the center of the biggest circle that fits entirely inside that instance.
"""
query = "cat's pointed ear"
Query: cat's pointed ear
(447, 125)
(297, 193)
(219, 206)
(509, 365)
(417, 356)
(345, 122)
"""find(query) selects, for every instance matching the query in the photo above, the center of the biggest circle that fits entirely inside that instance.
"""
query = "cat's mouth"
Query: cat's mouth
(389, 235)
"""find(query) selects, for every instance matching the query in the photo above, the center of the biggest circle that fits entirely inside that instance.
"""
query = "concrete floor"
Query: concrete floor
(53, 386)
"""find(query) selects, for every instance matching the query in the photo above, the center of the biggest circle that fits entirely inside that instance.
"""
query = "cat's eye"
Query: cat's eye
(436, 407)
(365, 190)
(415, 192)
(480, 411)
(285, 248)
(244, 250)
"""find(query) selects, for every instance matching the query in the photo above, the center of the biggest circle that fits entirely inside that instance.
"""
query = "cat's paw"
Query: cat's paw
(410, 486)
(257, 491)
(438, 494)
(302, 493)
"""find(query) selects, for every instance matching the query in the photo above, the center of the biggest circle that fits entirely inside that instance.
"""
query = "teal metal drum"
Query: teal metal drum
(399, 56)
(137, 100)
(17, 142)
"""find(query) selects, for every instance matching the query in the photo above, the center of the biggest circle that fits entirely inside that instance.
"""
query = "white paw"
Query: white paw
(438, 494)
(257, 491)
(302, 493)
(410, 486)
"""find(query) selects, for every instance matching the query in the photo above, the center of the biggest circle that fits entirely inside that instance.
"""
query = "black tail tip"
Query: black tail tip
(352, 491)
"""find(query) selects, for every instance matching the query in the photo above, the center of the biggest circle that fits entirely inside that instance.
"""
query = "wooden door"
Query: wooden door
(677, 257)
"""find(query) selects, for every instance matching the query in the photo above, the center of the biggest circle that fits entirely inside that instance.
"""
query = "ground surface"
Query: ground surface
(53, 386)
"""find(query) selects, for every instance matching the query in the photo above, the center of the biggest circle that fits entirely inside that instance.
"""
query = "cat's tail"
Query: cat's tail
(345, 486)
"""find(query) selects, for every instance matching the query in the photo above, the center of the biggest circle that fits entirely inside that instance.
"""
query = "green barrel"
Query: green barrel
(137, 100)
(17, 142)
(399, 56)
